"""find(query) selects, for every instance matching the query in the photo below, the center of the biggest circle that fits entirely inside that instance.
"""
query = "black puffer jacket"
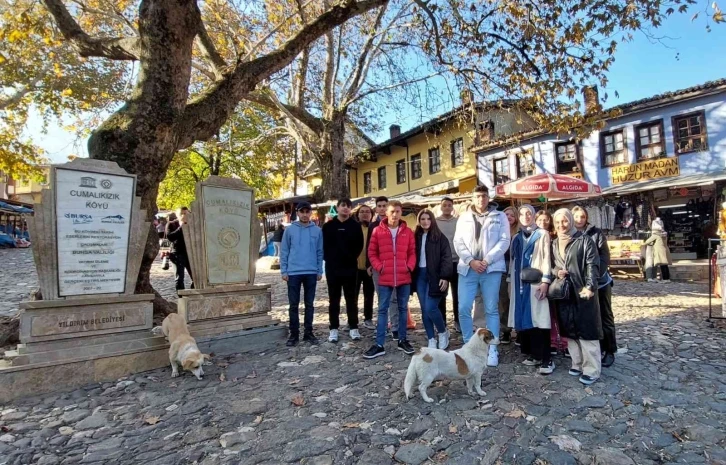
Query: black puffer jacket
(439, 264)
(603, 252)
(579, 318)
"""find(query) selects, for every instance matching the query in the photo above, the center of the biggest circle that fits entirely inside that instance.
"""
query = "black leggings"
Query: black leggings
(536, 342)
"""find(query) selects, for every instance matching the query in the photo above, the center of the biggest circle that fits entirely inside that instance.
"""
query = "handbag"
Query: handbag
(530, 275)
(559, 289)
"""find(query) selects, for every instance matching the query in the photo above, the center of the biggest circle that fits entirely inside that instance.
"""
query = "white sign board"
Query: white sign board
(227, 214)
(93, 220)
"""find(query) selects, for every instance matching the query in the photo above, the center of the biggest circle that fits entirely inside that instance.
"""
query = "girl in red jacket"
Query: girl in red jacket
(392, 253)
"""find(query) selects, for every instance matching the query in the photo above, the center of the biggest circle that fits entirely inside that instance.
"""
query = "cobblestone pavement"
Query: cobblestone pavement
(664, 401)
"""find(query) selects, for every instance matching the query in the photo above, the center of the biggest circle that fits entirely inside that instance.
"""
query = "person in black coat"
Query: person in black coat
(342, 244)
(277, 238)
(178, 250)
(576, 259)
(608, 343)
(433, 270)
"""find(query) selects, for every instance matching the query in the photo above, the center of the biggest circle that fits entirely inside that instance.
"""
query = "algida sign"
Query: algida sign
(645, 170)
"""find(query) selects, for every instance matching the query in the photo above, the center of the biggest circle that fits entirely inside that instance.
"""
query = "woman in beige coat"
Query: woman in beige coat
(657, 243)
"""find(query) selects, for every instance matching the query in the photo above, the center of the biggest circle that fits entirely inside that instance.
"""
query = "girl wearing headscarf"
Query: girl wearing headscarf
(529, 310)
(506, 336)
(658, 244)
(557, 342)
(608, 344)
(576, 259)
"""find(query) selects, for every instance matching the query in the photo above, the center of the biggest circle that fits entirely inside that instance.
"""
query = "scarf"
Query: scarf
(528, 228)
(565, 238)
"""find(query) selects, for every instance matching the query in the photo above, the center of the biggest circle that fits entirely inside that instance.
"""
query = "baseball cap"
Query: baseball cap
(303, 206)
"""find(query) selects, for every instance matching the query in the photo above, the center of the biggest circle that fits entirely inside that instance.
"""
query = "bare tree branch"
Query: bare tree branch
(358, 75)
(362, 95)
(269, 100)
(209, 51)
(117, 48)
(203, 116)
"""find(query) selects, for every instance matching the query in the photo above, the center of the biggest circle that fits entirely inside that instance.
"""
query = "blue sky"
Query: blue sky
(686, 56)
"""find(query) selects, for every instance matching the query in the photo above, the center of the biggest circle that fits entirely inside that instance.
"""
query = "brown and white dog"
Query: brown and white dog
(182, 346)
(467, 363)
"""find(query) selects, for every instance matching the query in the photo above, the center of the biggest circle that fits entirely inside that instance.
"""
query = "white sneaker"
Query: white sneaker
(432, 343)
(651, 280)
(493, 359)
(333, 335)
(665, 281)
(444, 340)
(354, 334)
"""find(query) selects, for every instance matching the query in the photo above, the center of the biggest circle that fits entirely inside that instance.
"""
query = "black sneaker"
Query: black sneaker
(587, 380)
(531, 362)
(547, 369)
(608, 359)
(310, 338)
(394, 334)
(375, 351)
(553, 351)
(292, 341)
(506, 338)
(567, 353)
(574, 372)
(405, 347)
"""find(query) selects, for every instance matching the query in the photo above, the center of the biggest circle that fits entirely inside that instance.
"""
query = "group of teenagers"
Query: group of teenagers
(545, 276)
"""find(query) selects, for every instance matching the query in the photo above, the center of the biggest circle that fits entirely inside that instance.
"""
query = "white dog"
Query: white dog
(467, 363)
(182, 346)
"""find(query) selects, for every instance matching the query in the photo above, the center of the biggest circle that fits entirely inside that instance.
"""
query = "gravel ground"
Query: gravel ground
(664, 400)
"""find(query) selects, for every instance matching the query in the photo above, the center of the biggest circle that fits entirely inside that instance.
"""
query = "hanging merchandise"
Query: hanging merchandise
(333, 212)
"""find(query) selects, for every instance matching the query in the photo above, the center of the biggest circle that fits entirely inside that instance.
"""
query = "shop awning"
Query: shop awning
(703, 179)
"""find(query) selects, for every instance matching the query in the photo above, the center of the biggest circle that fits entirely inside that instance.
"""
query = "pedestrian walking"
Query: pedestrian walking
(504, 286)
(447, 225)
(558, 343)
(433, 269)
(342, 244)
(608, 344)
(392, 252)
(658, 244)
(364, 276)
(577, 262)
(178, 250)
(277, 238)
(530, 275)
(301, 265)
(482, 237)
(381, 210)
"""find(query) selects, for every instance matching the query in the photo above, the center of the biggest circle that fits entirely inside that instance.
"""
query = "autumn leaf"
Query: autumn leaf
(516, 414)
(222, 377)
(351, 425)
(298, 399)
(453, 429)
(152, 420)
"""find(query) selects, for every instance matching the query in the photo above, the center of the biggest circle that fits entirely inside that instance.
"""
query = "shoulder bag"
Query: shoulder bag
(560, 288)
(530, 275)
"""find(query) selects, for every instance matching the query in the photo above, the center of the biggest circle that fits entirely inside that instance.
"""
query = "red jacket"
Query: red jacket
(394, 269)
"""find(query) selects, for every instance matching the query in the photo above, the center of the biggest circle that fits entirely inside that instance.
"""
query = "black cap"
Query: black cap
(303, 206)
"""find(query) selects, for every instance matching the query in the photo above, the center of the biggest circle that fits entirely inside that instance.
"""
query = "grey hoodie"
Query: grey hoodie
(448, 229)
(301, 250)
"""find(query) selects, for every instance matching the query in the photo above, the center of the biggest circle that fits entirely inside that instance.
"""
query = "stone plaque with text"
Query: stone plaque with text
(227, 215)
(93, 219)
(52, 323)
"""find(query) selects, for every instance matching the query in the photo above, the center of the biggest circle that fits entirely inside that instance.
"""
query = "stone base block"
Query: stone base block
(76, 319)
(224, 302)
(44, 377)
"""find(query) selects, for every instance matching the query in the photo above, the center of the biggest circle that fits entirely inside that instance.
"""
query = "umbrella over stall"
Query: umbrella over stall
(548, 186)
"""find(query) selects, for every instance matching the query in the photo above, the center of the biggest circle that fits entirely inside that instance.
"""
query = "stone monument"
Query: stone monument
(222, 238)
(89, 235)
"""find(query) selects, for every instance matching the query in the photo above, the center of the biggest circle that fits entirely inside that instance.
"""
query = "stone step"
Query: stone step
(240, 324)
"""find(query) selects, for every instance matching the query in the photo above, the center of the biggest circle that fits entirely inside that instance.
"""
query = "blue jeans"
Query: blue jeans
(384, 298)
(469, 285)
(309, 282)
(430, 313)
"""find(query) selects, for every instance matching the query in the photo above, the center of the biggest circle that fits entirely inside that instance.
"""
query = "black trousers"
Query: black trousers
(454, 286)
(607, 343)
(344, 285)
(368, 292)
(181, 262)
(665, 273)
(536, 342)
